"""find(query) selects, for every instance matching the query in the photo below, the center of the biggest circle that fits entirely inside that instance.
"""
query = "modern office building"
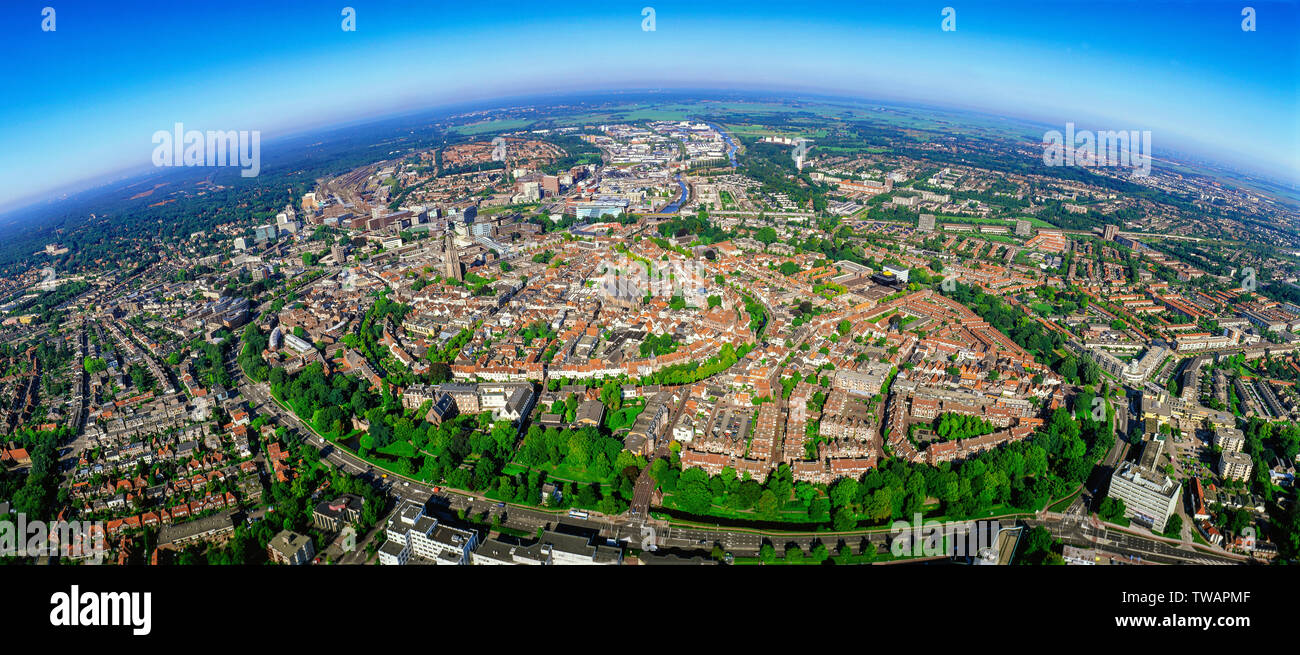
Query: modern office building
(1150, 497)
(509, 551)
(486, 229)
(900, 272)
(264, 233)
(412, 534)
(568, 549)
(888, 278)
(602, 208)
(466, 214)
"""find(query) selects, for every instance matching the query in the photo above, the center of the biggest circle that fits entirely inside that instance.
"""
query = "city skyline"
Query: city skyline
(292, 68)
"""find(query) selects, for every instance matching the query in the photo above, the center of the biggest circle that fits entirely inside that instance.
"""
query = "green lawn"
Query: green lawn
(793, 512)
(398, 449)
(559, 472)
(623, 418)
(1011, 223)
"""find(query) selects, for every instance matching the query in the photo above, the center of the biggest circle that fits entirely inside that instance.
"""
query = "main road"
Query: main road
(1080, 529)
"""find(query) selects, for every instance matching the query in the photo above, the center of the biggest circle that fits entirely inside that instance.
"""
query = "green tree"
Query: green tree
(1112, 509)
(1174, 527)
(793, 554)
(843, 519)
(767, 505)
(820, 553)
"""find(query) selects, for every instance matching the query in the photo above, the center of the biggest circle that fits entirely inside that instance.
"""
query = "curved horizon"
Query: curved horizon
(99, 86)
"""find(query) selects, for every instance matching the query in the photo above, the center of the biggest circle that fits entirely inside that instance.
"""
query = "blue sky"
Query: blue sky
(86, 99)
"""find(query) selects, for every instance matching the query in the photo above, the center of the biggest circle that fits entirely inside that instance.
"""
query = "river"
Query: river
(731, 145)
(676, 205)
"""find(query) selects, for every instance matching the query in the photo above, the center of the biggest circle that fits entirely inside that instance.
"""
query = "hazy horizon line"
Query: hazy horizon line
(51, 195)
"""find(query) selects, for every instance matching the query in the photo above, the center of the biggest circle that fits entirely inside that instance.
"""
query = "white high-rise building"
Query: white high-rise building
(411, 533)
(926, 223)
(1149, 497)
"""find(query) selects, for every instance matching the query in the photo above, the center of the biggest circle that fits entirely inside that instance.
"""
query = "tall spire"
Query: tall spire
(451, 258)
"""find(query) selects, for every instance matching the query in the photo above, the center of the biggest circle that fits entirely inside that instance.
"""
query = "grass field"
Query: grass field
(492, 126)
(762, 131)
(1011, 223)
(792, 512)
(398, 449)
(560, 472)
(923, 122)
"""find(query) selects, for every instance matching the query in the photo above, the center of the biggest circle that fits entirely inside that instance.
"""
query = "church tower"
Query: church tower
(451, 258)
